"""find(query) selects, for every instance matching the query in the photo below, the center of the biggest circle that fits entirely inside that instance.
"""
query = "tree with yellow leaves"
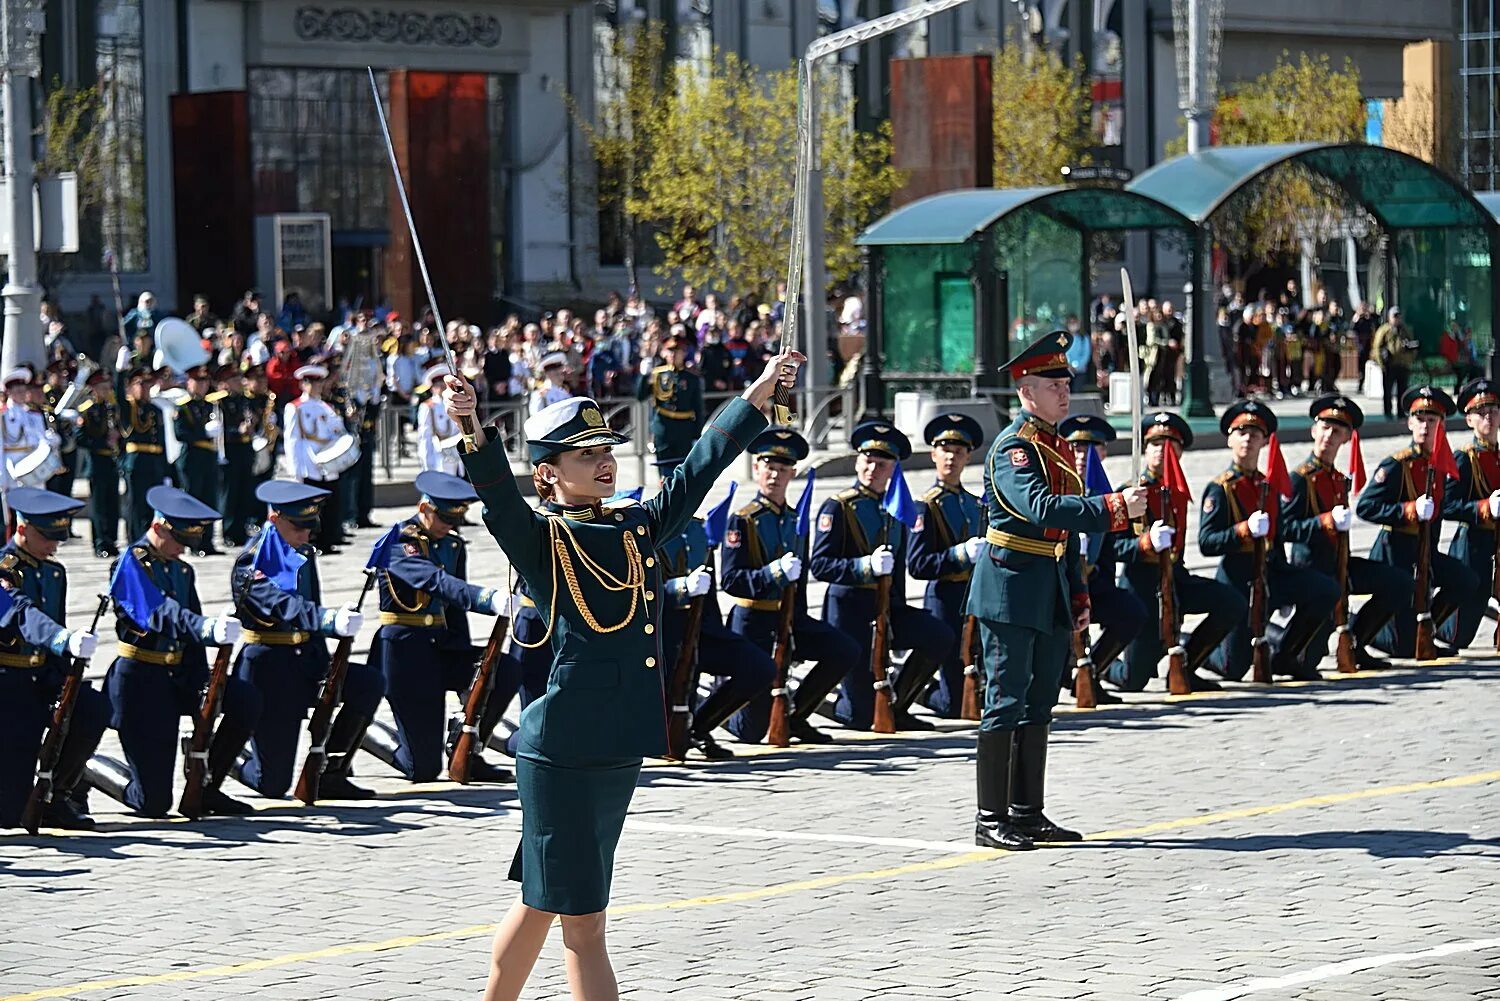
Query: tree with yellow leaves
(1041, 117)
(718, 190)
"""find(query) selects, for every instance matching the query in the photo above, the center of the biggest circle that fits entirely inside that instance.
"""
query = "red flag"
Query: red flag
(1442, 455)
(1276, 472)
(1357, 464)
(1173, 476)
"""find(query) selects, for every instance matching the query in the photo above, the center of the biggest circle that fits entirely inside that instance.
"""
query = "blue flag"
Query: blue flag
(134, 591)
(1095, 481)
(804, 505)
(718, 518)
(380, 553)
(278, 562)
(898, 503)
(6, 602)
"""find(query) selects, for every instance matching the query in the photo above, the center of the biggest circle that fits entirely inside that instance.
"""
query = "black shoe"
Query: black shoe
(481, 770)
(367, 523)
(993, 832)
(1038, 828)
(337, 786)
(103, 554)
(1300, 672)
(330, 551)
(1367, 661)
(804, 732)
(906, 720)
(218, 803)
(1104, 697)
(1198, 683)
(710, 748)
(65, 814)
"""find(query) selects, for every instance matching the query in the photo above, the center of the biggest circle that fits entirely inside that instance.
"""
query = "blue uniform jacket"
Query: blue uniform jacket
(1228, 500)
(33, 627)
(756, 536)
(178, 626)
(604, 698)
(950, 515)
(426, 577)
(264, 607)
(1389, 499)
(1029, 574)
(1317, 488)
(851, 525)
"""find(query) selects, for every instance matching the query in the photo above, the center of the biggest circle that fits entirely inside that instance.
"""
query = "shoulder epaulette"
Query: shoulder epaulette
(9, 562)
(1028, 432)
(932, 495)
(1407, 454)
(750, 510)
(844, 496)
(1224, 478)
(661, 368)
(83, 407)
(140, 552)
(1307, 468)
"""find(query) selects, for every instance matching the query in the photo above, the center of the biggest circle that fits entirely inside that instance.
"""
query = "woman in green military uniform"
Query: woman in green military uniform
(593, 573)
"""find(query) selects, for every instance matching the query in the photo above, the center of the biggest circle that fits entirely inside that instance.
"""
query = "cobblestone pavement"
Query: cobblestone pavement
(1316, 841)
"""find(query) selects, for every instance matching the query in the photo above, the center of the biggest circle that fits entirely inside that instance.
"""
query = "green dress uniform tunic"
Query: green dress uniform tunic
(198, 465)
(145, 463)
(98, 420)
(677, 409)
(593, 575)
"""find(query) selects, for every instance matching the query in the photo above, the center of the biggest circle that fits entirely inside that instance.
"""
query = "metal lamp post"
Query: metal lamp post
(22, 22)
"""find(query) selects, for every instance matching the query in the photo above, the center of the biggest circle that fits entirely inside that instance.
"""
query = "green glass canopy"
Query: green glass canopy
(953, 217)
(1401, 191)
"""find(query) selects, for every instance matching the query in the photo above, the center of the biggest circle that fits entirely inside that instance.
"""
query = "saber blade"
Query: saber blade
(1136, 417)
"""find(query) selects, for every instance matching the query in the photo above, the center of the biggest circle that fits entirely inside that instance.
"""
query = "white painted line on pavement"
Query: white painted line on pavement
(1247, 987)
(945, 847)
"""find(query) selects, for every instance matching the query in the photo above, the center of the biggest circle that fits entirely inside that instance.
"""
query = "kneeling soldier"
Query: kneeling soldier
(1238, 508)
(1474, 502)
(161, 671)
(856, 543)
(1316, 515)
(763, 554)
(285, 655)
(423, 645)
(35, 647)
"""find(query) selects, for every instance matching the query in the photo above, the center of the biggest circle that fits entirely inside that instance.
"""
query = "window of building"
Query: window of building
(1478, 80)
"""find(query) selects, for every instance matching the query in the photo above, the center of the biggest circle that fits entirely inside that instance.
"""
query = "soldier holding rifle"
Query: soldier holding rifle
(423, 646)
(1028, 595)
(763, 555)
(1474, 502)
(1316, 520)
(285, 655)
(35, 647)
(1117, 612)
(1397, 499)
(160, 672)
(857, 543)
(945, 544)
(98, 431)
(1240, 507)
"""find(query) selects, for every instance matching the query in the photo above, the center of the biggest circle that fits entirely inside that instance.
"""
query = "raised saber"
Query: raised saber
(1136, 418)
(465, 424)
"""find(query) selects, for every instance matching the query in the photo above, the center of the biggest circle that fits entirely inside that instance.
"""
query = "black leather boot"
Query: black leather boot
(992, 827)
(344, 738)
(1105, 653)
(480, 770)
(812, 693)
(223, 754)
(1026, 814)
(915, 677)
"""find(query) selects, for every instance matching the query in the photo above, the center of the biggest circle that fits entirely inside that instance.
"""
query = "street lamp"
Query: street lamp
(21, 25)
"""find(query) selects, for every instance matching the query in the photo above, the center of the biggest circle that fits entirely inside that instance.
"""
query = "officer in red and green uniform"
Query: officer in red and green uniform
(1473, 502)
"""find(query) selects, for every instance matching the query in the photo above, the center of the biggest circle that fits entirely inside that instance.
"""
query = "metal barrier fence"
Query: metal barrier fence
(826, 417)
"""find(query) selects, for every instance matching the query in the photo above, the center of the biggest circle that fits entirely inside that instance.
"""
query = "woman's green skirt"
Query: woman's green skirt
(572, 815)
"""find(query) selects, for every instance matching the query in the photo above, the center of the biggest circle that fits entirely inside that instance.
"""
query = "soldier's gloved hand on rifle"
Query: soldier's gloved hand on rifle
(226, 630)
(790, 566)
(647, 364)
(497, 603)
(1424, 508)
(881, 562)
(82, 644)
(1162, 535)
(697, 582)
(972, 548)
(1342, 518)
(1135, 500)
(348, 621)
(1259, 524)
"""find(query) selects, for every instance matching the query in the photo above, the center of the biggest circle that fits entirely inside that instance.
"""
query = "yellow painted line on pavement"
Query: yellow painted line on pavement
(742, 896)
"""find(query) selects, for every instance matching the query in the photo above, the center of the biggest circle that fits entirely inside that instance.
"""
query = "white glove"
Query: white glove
(790, 566)
(697, 582)
(881, 562)
(226, 630)
(82, 644)
(647, 365)
(972, 548)
(122, 358)
(347, 620)
(212, 427)
(1259, 523)
(1342, 518)
(1162, 535)
(1495, 503)
(1425, 508)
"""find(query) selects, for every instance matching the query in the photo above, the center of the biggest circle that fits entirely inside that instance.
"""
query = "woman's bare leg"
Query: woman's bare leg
(518, 942)
(590, 977)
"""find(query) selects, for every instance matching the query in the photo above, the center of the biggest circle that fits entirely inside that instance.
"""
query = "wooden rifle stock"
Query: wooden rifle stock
(321, 722)
(476, 701)
(1260, 651)
(972, 708)
(1177, 674)
(195, 762)
(57, 732)
(778, 733)
(1346, 660)
(680, 691)
(880, 659)
(1423, 598)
